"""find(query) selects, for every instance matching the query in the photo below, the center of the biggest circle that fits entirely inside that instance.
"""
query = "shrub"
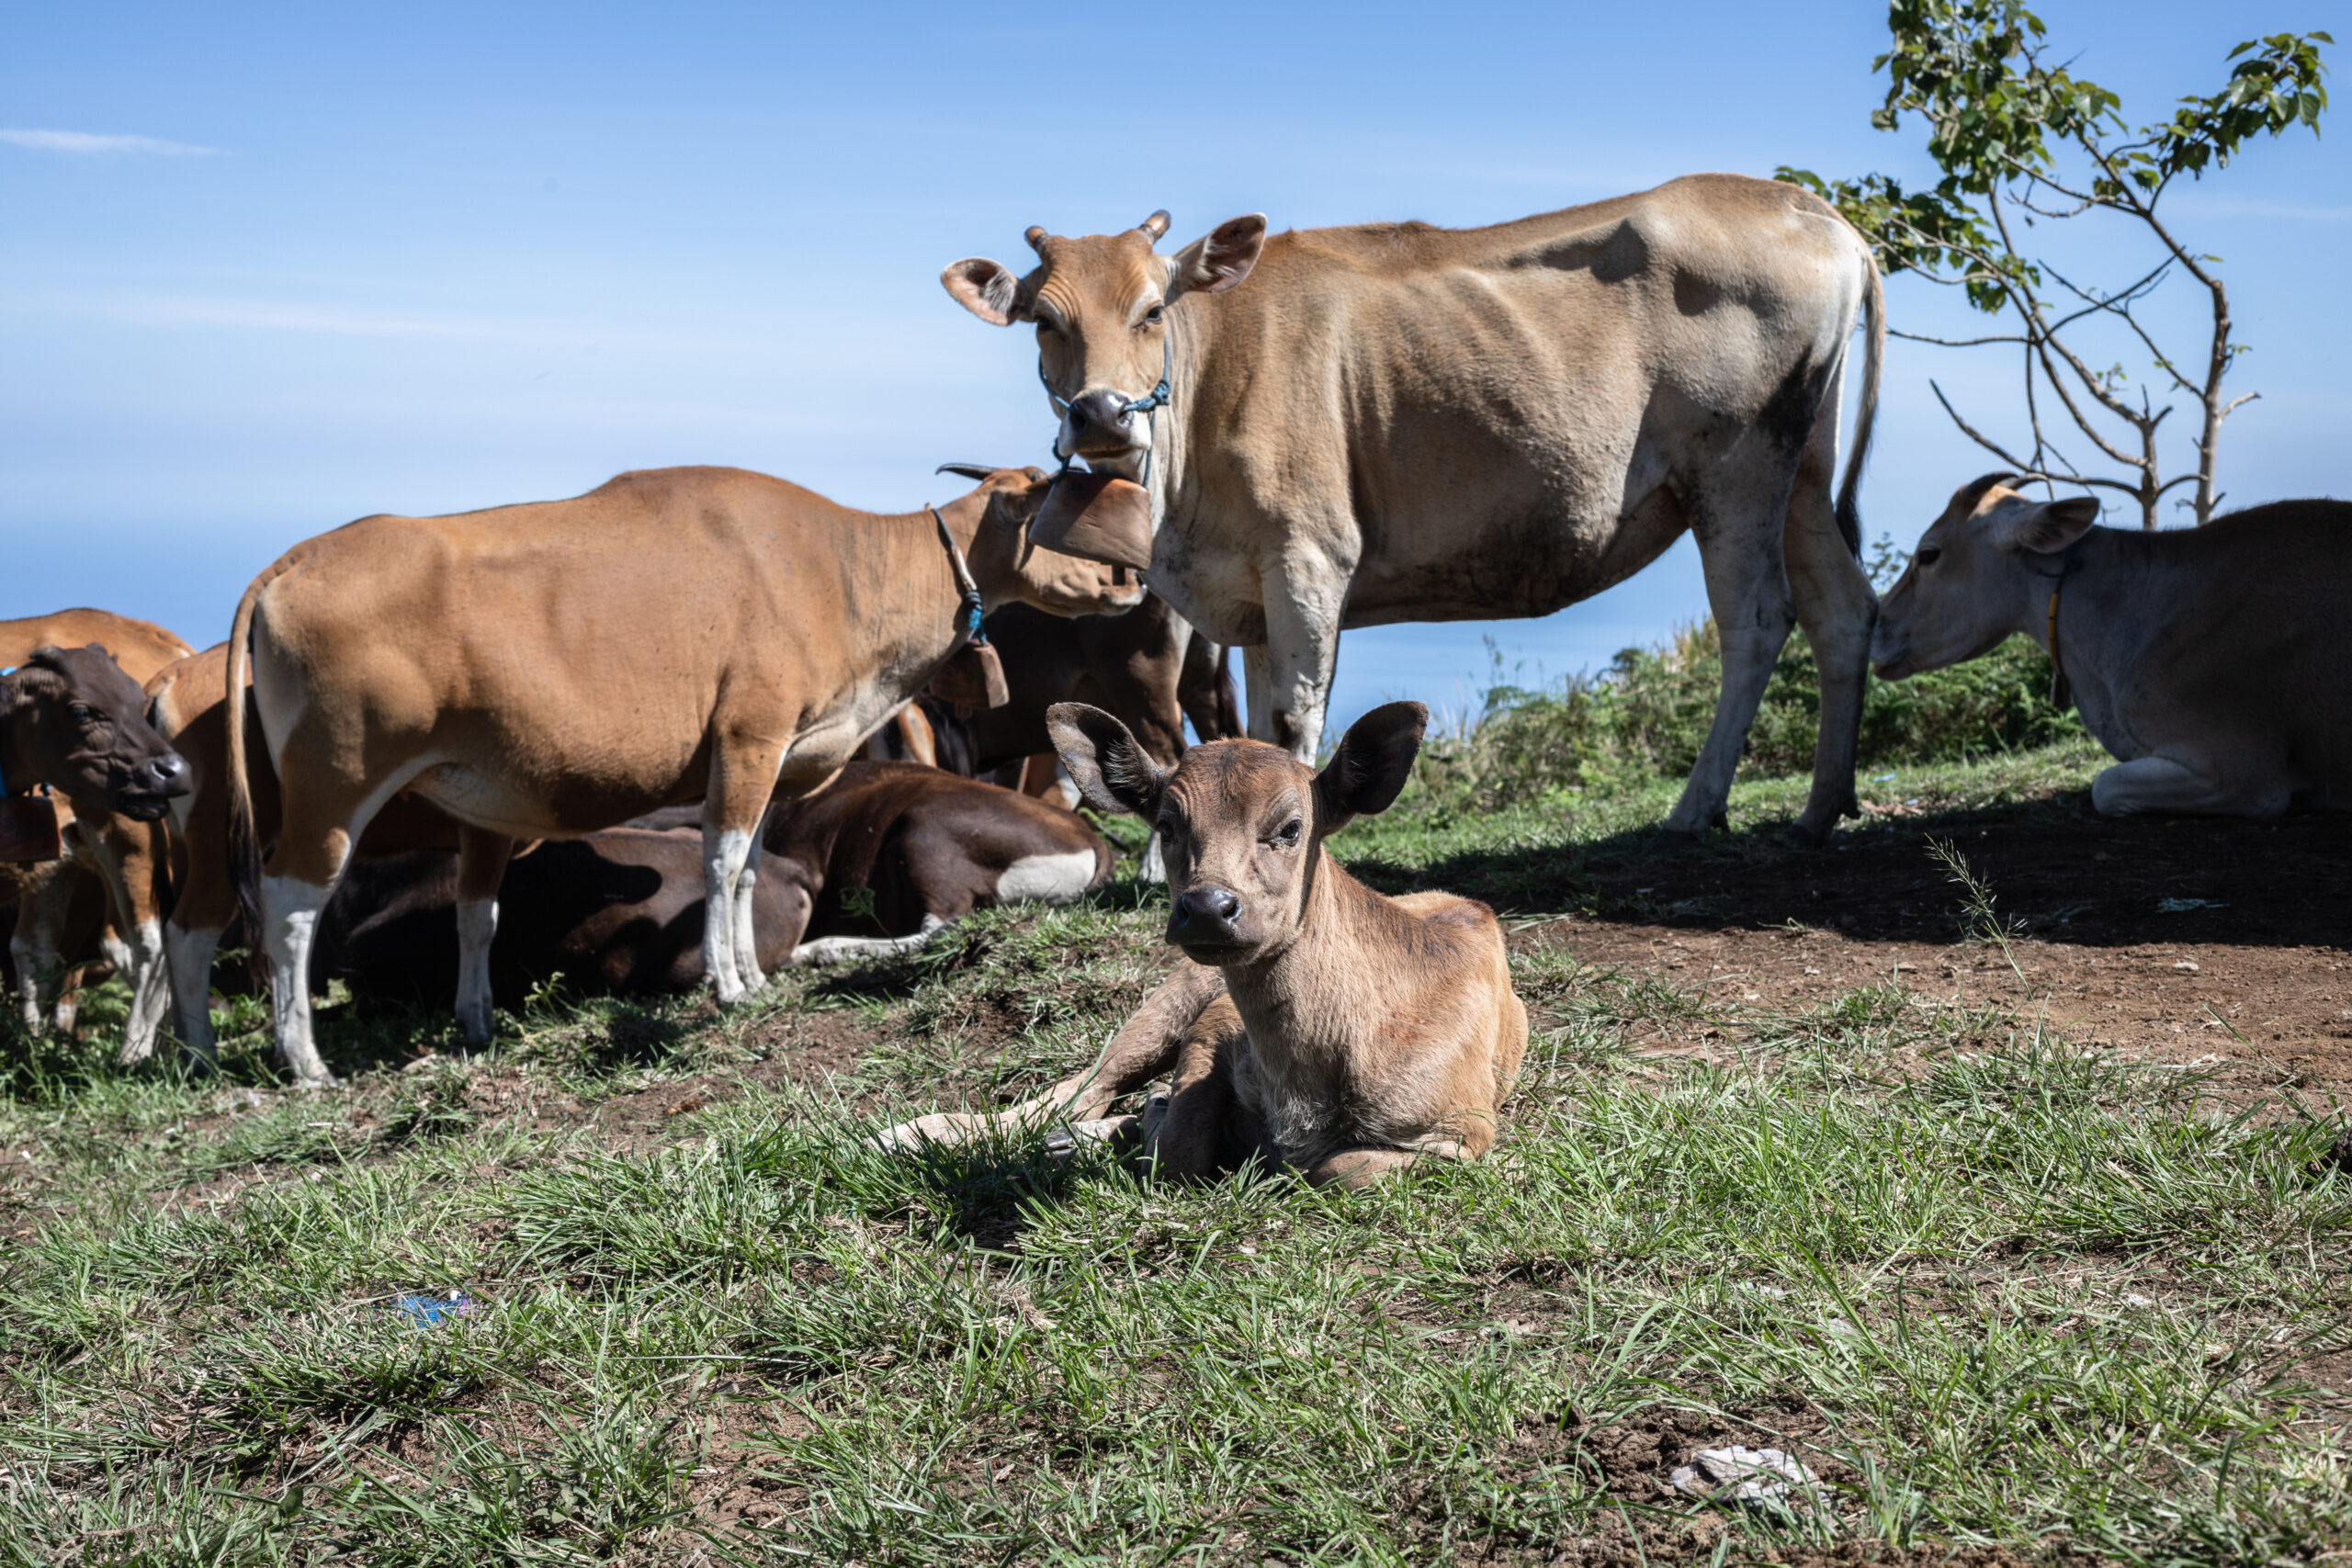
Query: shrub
(1644, 717)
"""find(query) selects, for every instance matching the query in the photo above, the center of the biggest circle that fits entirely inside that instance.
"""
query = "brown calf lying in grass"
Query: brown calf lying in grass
(1326, 1027)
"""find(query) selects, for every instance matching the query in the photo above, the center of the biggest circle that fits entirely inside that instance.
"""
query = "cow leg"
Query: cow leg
(827, 950)
(129, 857)
(1838, 610)
(37, 946)
(1748, 590)
(743, 778)
(1303, 600)
(1147, 1047)
(482, 867)
(188, 954)
(290, 923)
(2159, 784)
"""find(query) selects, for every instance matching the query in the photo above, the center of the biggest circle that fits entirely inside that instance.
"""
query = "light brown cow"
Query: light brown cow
(1400, 423)
(2215, 663)
(123, 854)
(551, 669)
(1322, 1025)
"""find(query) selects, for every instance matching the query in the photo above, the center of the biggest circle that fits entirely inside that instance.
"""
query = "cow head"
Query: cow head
(1007, 565)
(1100, 303)
(1241, 823)
(70, 718)
(1983, 570)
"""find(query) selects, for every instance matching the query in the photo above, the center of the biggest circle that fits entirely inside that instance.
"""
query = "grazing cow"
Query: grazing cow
(1325, 1026)
(546, 671)
(2212, 661)
(121, 857)
(1400, 423)
(187, 700)
(1146, 668)
(70, 718)
(874, 863)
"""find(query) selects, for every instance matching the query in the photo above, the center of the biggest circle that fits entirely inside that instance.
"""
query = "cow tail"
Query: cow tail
(245, 840)
(1850, 511)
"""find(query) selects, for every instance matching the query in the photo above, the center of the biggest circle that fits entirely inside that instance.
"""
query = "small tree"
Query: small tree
(2021, 140)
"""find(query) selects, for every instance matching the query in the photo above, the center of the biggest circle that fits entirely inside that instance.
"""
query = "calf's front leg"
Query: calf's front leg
(2162, 783)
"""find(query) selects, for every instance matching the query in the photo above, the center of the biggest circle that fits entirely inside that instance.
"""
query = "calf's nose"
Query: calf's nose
(1204, 913)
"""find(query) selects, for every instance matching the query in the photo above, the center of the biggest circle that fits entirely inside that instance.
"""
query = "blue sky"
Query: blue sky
(426, 258)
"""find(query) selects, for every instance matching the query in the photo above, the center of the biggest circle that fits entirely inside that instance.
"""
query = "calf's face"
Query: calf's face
(1983, 570)
(76, 722)
(1241, 823)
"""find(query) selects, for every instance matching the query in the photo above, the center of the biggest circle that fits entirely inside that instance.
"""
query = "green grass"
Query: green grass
(2025, 1294)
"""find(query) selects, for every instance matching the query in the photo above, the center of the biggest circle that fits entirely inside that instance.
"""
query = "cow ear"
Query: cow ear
(2047, 529)
(1375, 758)
(1219, 259)
(986, 288)
(1111, 769)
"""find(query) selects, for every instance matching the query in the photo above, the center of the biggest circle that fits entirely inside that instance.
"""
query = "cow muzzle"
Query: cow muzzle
(1206, 921)
(147, 793)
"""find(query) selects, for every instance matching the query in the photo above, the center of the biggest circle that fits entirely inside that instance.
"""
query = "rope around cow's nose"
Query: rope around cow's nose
(1151, 403)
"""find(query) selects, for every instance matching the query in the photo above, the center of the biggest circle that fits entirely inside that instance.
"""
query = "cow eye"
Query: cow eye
(1151, 317)
(1287, 834)
(1928, 557)
(82, 712)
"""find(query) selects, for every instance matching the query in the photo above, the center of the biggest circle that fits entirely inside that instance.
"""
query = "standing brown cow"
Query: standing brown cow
(548, 671)
(1350, 427)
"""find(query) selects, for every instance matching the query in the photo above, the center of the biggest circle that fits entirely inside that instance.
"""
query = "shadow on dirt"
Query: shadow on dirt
(2066, 873)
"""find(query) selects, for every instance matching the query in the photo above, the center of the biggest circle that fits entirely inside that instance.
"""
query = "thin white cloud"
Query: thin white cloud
(83, 143)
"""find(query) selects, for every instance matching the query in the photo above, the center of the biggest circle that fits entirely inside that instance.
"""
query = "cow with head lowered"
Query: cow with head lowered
(2214, 663)
(1294, 434)
(548, 671)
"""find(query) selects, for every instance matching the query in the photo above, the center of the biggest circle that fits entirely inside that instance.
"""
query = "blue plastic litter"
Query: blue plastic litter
(431, 1312)
(1882, 778)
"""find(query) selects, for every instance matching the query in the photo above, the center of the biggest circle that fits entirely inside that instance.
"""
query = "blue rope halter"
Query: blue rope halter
(1151, 403)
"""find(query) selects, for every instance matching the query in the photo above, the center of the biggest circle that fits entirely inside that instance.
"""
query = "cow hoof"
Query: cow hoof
(1803, 835)
(319, 1084)
(1673, 841)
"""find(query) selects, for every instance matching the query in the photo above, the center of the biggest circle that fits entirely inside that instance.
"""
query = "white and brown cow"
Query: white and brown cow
(873, 864)
(2215, 663)
(1349, 427)
(547, 671)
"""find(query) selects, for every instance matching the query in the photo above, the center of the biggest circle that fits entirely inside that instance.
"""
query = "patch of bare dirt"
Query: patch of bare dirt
(2222, 946)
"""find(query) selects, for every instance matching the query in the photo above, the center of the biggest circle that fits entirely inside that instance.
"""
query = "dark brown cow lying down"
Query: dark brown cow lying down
(622, 910)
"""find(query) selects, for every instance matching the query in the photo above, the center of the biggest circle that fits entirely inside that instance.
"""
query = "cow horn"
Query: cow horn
(1036, 236)
(1156, 225)
(969, 470)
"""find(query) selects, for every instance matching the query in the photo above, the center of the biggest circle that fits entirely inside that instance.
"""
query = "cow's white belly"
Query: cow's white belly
(1047, 879)
(478, 798)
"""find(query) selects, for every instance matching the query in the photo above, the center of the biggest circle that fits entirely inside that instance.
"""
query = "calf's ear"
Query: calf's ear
(2049, 528)
(1375, 758)
(986, 288)
(1112, 770)
(1219, 259)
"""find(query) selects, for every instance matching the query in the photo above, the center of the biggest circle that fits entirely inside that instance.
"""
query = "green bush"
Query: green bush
(1645, 716)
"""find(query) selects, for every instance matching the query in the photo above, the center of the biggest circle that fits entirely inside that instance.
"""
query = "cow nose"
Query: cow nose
(167, 774)
(1205, 911)
(1101, 411)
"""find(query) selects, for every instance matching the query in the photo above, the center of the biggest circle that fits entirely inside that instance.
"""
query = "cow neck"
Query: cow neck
(908, 610)
(1306, 1004)
(1188, 337)
(12, 765)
